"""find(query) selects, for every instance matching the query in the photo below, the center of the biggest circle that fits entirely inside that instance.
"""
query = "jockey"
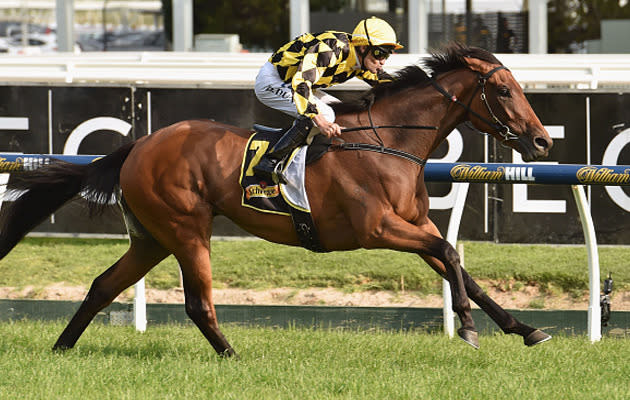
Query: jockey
(290, 80)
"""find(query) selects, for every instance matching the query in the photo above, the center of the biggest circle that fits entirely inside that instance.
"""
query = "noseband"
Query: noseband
(500, 127)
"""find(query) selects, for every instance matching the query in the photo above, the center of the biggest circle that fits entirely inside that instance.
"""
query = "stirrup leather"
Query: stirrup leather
(278, 174)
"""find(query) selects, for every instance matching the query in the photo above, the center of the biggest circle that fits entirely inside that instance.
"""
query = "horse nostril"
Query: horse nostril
(542, 143)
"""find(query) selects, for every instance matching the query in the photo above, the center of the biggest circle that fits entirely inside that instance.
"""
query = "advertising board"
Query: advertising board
(588, 127)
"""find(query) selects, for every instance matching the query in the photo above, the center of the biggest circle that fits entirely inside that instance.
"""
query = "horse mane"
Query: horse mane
(450, 58)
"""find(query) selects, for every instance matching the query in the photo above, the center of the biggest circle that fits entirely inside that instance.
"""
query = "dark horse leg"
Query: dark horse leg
(143, 254)
(461, 304)
(395, 233)
(502, 318)
(194, 260)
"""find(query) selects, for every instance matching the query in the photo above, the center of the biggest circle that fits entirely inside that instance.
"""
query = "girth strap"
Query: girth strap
(306, 230)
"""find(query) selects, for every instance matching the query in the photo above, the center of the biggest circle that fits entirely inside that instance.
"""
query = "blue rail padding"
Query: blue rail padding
(547, 174)
(12, 162)
(550, 174)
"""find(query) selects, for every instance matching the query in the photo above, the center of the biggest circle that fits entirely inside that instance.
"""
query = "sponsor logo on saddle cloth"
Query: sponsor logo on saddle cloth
(267, 196)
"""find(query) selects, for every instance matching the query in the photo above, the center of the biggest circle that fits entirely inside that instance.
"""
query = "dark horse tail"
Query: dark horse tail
(46, 189)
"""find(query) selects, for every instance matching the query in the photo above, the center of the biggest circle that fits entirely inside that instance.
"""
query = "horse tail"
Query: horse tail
(44, 190)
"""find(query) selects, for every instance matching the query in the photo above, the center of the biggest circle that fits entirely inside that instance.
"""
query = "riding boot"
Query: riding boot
(269, 167)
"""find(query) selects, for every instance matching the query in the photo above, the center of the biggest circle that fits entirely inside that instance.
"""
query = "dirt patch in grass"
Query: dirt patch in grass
(525, 297)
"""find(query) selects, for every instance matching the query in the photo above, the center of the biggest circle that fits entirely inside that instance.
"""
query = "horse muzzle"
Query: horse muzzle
(534, 147)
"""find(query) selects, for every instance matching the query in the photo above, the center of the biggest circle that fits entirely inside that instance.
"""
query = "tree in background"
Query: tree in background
(262, 25)
(575, 21)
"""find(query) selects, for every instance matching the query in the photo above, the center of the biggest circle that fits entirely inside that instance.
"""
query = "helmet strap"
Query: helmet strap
(365, 53)
(367, 34)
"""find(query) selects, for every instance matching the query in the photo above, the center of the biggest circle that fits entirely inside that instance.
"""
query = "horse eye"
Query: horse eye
(503, 91)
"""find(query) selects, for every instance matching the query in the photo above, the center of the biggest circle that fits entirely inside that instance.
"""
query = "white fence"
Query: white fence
(230, 70)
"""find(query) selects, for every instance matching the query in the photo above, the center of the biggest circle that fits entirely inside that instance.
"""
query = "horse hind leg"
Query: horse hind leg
(185, 232)
(143, 254)
(194, 261)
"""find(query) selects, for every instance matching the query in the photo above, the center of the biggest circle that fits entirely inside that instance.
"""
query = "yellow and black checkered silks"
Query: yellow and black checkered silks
(319, 60)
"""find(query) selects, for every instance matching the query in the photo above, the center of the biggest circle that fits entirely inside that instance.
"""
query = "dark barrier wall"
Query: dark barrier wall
(587, 126)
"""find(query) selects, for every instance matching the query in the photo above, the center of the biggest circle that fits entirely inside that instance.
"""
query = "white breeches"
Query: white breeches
(274, 93)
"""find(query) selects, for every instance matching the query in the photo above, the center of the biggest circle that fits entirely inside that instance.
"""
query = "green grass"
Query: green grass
(261, 265)
(175, 362)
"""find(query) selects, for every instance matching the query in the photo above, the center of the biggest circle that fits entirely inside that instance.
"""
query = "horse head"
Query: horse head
(464, 84)
(499, 107)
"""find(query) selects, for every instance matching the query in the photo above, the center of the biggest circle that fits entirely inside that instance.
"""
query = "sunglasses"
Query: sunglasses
(381, 53)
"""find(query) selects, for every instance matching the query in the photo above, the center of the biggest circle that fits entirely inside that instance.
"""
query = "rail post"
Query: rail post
(594, 310)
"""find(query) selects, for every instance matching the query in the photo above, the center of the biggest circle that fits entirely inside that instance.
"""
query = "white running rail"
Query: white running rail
(238, 70)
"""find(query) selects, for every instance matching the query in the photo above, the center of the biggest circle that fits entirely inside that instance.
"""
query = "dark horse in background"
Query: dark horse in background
(172, 184)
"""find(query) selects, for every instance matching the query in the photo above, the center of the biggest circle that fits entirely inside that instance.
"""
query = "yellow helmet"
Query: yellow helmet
(374, 32)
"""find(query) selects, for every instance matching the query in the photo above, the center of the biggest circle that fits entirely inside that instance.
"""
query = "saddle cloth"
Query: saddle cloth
(288, 199)
(267, 196)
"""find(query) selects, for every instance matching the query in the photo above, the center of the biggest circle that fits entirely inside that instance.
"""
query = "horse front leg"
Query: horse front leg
(502, 318)
(459, 295)
(395, 233)
(507, 323)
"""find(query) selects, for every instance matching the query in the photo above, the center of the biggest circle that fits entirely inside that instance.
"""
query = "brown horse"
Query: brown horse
(176, 180)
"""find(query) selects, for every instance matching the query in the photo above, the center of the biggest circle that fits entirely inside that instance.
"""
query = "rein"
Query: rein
(363, 128)
(500, 127)
(374, 128)
(382, 149)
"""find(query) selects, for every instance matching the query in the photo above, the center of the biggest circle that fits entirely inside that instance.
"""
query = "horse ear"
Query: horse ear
(478, 65)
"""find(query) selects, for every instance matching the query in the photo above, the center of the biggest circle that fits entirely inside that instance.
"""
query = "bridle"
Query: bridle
(502, 129)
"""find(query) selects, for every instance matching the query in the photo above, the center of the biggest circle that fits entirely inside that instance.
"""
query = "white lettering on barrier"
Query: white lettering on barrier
(455, 149)
(10, 124)
(611, 156)
(519, 174)
(14, 123)
(90, 126)
(520, 202)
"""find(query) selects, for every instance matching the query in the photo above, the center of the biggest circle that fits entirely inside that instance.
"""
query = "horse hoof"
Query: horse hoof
(536, 337)
(470, 337)
(60, 348)
(229, 353)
